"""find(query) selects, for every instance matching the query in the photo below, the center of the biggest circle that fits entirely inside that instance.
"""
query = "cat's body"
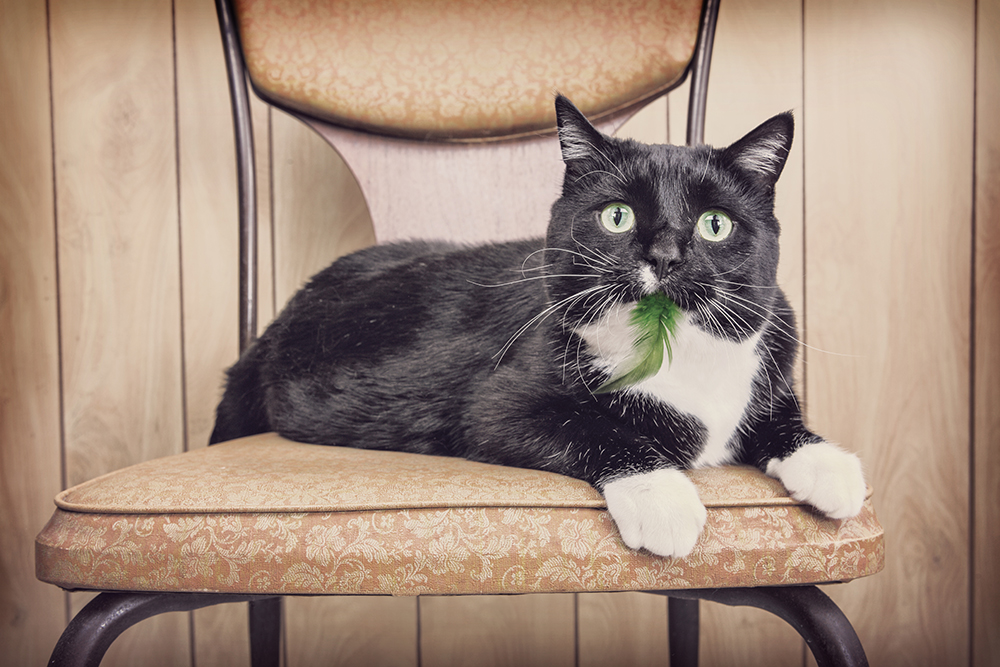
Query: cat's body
(499, 353)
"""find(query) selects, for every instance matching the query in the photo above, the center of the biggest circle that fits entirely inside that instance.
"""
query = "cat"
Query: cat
(503, 353)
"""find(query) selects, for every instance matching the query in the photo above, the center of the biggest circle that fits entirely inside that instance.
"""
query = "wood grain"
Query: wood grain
(118, 250)
(32, 614)
(351, 631)
(888, 232)
(208, 213)
(986, 453)
(119, 273)
(622, 629)
(488, 631)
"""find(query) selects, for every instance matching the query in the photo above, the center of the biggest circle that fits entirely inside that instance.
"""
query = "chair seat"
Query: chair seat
(265, 515)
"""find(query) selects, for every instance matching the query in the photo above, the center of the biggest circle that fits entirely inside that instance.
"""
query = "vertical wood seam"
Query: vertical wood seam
(63, 474)
(971, 629)
(182, 357)
(180, 237)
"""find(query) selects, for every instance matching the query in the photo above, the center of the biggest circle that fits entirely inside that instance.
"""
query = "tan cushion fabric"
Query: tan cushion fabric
(436, 69)
(266, 515)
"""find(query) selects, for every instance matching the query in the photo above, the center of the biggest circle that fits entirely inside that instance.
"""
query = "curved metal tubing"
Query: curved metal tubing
(816, 617)
(90, 633)
(245, 173)
(700, 66)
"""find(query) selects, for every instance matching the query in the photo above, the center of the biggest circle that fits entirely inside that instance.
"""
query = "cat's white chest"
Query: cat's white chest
(709, 378)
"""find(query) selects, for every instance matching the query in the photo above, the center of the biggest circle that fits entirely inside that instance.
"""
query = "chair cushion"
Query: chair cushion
(267, 515)
(461, 69)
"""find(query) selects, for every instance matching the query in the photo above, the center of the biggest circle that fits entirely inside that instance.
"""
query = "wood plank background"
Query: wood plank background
(118, 270)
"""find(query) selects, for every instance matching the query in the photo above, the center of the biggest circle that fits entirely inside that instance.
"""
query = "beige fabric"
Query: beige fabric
(434, 69)
(265, 515)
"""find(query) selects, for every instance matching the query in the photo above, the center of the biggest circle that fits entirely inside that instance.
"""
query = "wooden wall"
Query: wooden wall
(117, 276)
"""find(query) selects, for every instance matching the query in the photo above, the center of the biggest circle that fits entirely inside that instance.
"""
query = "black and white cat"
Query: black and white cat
(496, 353)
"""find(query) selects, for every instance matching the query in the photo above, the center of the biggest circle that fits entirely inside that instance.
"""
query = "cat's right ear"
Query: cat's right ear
(578, 139)
(762, 153)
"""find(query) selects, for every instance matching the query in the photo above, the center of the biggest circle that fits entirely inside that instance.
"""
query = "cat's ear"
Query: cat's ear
(578, 139)
(762, 153)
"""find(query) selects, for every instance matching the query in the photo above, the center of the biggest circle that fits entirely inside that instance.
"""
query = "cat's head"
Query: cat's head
(696, 223)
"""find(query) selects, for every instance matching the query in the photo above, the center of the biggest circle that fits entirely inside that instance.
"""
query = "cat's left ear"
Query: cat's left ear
(762, 153)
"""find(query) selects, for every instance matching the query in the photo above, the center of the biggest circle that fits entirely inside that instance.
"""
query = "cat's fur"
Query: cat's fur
(494, 353)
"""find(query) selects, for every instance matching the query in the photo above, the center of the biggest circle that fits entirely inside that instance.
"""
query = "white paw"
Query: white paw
(658, 510)
(825, 476)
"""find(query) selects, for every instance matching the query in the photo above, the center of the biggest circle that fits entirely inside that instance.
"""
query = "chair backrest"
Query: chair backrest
(443, 109)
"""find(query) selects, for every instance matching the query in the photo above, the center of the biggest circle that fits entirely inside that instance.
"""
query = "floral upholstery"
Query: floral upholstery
(461, 69)
(267, 515)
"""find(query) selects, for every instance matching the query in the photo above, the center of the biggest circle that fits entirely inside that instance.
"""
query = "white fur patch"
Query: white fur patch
(575, 144)
(825, 476)
(764, 157)
(659, 511)
(709, 378)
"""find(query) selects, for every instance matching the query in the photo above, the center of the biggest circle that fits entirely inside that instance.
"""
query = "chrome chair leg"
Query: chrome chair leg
(90, 633)
(817, 619)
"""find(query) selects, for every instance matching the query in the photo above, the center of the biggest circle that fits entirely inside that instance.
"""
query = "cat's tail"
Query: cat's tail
(242, 411)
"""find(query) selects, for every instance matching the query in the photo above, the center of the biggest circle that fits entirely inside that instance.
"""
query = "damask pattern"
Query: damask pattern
(335, 520)
(461, 69)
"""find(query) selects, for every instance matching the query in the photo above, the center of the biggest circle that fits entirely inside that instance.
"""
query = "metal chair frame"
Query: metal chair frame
(823, 626)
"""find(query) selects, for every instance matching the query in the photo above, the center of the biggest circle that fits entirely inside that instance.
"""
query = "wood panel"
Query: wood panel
(352, 631)
(888, 232)
(622, 629)
(756, 73)
(208, 213)
(31, 613)
(986, 454)
(498, 631)
(116, 202)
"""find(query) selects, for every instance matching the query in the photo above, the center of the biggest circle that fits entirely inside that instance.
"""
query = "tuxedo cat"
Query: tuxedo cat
(503, 353)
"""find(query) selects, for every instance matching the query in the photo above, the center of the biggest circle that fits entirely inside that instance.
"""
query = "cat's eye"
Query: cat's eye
(714, 225)
(618, 218)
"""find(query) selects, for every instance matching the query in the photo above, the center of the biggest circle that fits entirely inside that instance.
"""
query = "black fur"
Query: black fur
(440, 349)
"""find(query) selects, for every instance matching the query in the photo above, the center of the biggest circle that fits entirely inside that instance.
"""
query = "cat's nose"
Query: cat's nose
(664, 258)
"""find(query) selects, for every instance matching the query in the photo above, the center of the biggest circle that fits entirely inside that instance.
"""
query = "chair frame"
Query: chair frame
(823, 626)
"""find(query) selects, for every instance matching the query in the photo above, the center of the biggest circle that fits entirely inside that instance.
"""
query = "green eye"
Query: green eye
(714, 225)
(618, 218)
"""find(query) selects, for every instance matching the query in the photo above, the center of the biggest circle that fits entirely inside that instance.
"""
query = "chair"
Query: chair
(262, 517)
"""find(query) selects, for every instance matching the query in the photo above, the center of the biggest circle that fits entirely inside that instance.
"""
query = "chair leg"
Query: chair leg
(265, 632)
(90, 633)
(816, 617)
(683, 631)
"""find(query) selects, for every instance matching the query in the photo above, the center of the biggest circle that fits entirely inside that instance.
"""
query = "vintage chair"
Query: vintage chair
(262, 517)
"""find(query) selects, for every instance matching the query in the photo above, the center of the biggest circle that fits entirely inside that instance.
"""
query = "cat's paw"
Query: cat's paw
(825, 476)
(658, 510)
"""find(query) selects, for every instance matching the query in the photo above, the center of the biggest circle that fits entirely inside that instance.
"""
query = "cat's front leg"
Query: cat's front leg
(659, 511)
(653, 503)
(823, 475)
(813, 470)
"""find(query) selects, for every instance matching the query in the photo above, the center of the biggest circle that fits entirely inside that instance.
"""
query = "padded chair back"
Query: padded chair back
(443, 109)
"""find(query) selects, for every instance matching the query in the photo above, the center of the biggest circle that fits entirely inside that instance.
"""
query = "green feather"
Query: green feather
(654, 319)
